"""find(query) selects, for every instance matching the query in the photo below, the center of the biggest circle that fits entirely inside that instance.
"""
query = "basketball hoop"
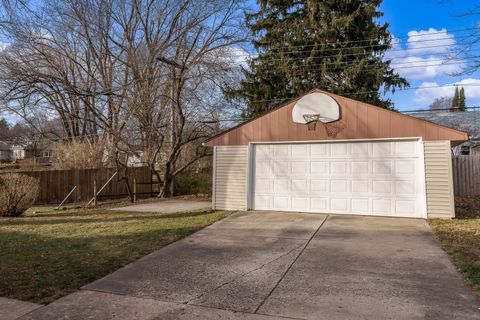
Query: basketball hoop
(334, 128)
(311, 120)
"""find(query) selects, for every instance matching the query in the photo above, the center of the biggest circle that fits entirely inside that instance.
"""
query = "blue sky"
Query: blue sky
(417, 21)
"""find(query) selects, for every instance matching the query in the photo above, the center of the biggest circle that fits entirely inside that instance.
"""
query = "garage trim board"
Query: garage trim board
(383, 177)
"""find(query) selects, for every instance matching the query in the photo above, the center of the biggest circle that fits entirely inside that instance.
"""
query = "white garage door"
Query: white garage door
(369, 178)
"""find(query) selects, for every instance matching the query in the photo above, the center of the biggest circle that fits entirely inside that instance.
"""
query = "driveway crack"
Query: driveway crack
(291, 264)
(242, 275)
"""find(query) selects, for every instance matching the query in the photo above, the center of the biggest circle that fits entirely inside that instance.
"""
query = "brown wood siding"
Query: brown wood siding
(361, 120)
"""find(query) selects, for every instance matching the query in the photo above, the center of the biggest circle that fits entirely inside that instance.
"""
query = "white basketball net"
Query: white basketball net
(311, 120)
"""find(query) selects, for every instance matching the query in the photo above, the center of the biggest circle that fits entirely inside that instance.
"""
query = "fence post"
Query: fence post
(134, 190)
(95, 192)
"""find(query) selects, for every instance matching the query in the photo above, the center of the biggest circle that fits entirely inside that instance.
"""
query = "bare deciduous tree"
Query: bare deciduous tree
(143, 74)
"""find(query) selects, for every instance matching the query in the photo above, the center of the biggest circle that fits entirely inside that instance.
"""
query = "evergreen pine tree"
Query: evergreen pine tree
(335, 45)
(455, 100)
(461, 100)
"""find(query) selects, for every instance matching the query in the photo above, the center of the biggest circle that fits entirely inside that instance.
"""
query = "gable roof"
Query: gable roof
(359, 121)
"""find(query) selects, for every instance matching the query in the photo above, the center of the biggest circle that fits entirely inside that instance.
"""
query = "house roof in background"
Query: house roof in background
(467, 121)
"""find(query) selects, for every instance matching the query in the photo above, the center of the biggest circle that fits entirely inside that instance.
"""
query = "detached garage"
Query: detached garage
(329, 154)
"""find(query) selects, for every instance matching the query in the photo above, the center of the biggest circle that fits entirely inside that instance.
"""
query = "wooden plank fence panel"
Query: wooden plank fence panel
(56, 184)
(466, 175)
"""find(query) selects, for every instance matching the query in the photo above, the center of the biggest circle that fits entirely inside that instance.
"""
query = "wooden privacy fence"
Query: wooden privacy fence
(56, 184)
(466, 175)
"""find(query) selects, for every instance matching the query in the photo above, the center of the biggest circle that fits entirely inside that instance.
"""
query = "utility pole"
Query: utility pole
(173, 119)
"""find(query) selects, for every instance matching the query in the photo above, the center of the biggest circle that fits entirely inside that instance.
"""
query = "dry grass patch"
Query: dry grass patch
(461, 239)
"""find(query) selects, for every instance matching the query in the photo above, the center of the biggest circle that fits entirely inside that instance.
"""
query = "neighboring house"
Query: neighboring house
(368, 161)
(6, 153)
(467, 121)
(41, 152)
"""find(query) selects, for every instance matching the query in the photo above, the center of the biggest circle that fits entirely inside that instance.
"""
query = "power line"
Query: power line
(401, 37)
(405, 65)
(351, 48)
(376, 91)
(278, 56)
(455, 55)
(371, 45)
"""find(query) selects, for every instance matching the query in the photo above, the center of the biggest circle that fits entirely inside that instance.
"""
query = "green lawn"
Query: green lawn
(44, 256)
(461, 239)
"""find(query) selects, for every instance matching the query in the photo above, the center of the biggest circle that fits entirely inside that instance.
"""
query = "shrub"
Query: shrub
(189, 183)
(18, 192)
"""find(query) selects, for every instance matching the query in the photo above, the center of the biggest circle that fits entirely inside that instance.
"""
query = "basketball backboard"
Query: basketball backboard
(316, 103)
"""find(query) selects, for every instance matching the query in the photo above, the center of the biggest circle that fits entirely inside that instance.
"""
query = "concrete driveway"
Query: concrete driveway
(168, 206)
(271, 265)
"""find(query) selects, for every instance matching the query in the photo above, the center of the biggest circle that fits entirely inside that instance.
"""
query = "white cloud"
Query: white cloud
(429, 91)
(414, 67)
(425, 55)
(232, 55)
(430, 41)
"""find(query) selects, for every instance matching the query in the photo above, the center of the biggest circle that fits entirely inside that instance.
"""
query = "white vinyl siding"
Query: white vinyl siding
(230, 177)
(438, 179)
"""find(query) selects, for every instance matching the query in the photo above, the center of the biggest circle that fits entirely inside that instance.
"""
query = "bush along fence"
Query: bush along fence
(466, 175)
(55, 185)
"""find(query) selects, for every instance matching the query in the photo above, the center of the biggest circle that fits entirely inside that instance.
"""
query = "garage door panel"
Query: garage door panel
(405, 167)
(359, 168)
(300, 203)
(382, 186)
(263, 169)
(263, 186)
(300, 150)
(382, 167)
(360, 186)
(281, 186)
(299, 186)
(407, 148)
(281, 202)
(281, 150)
(319, 204)
(263, 202)
(281, 168)
(340, 205)
(369, 178)
(319, 168)
(404, 207)
(382, 206)
(406, 187)
(360, 149)
(338, 186)
(321, 150)
(339, 167)
(382, 149)
(318, 186)
(339, 149)
(300, 168)
(361, 205)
